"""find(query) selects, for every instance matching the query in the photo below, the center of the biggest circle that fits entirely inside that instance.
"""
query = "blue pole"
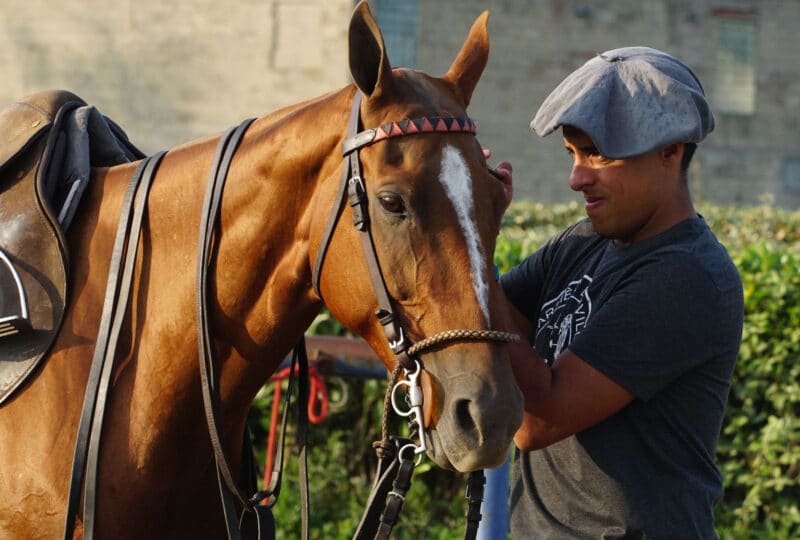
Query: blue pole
(494, 509)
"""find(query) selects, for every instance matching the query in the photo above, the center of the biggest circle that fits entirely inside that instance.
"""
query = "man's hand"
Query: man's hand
(504, 172)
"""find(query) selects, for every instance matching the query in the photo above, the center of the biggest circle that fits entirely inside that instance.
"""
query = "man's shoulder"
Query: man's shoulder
(581, 229)
(579, 235)
(698, 250)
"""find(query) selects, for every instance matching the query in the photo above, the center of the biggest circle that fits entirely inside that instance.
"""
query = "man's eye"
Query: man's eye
(600, 158)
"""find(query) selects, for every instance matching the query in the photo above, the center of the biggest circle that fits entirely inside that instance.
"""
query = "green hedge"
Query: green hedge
(759, 451)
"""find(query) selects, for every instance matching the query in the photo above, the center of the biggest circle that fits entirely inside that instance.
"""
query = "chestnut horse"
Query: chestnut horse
(435, 211)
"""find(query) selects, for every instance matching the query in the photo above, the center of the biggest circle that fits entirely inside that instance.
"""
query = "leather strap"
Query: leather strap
(352, 184)
(230, 493)
(395, 499)
(208, 218)
(338, 201)
(385, 474)
(357, 197)
(475, 482)
(302, 435)
(123, 257)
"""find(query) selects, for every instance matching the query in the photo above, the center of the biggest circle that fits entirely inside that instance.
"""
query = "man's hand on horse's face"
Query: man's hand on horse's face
(504, 172)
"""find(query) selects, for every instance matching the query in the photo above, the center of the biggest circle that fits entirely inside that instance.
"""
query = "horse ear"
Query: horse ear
(369, 64)
(468, 65)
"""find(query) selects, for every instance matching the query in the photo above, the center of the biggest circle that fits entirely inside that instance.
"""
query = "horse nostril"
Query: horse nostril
(463, 415)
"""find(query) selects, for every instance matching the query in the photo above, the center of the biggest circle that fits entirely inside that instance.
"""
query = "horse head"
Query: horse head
(433, 209)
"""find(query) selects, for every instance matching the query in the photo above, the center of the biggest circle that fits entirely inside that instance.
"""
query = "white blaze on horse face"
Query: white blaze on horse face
(457, 183)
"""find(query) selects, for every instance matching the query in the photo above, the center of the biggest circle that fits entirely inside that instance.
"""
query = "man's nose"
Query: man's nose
(580, 177)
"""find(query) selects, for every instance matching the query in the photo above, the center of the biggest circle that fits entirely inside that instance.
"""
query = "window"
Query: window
(735, 83)
(791, 176)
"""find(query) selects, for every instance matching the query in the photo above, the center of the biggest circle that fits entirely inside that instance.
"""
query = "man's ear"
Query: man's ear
(671, 155)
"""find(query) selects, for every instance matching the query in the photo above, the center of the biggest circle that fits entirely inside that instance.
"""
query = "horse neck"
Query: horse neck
(284, 172)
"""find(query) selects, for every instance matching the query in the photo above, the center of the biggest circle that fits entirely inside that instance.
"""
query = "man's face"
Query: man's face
(626, 199)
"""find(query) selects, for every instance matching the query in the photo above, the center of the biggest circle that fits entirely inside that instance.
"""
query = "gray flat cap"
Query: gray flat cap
(630, 101)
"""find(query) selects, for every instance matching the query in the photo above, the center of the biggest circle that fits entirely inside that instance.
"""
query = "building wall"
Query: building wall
(534, 45)
(171, 72)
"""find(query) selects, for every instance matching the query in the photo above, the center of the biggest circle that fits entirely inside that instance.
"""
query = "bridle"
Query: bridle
(352, 185)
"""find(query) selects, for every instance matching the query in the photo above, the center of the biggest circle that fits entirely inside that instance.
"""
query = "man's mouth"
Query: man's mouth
(593, 203)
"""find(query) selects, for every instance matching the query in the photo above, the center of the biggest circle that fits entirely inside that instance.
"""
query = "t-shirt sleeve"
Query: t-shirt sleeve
(522, 284)
(660, 321)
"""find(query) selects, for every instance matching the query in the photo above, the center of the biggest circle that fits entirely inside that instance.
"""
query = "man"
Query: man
(635, 317)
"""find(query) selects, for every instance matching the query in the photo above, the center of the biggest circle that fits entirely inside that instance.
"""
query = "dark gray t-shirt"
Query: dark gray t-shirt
(662, 318)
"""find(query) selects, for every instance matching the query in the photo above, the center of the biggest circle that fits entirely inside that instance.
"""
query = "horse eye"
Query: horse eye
(392, 203)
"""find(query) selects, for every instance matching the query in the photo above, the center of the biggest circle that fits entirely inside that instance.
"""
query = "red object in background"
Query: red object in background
(317, 410)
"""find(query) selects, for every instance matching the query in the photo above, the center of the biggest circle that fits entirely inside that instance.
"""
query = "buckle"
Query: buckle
(398, 345)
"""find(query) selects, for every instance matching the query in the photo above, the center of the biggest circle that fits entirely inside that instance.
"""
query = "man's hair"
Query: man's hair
(688, 152)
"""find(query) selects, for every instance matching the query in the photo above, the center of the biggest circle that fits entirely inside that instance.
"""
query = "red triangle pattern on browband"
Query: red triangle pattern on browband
(438, 124)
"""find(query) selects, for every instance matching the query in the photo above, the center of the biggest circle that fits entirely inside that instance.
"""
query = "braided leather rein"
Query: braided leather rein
(455, 336)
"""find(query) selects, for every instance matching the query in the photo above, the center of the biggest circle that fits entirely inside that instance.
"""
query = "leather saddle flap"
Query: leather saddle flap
(29, 234)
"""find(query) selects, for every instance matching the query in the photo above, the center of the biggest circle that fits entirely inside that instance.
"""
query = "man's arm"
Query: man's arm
(560, 400)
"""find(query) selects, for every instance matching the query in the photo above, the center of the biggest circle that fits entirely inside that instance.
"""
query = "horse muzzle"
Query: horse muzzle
(473, 417)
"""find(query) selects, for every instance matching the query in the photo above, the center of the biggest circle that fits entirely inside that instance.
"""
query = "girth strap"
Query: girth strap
(120, 275)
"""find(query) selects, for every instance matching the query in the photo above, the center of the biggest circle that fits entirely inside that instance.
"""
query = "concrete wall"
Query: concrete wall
(535, 44)
(170, 72)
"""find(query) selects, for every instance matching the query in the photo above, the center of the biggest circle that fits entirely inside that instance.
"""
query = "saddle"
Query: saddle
(44, 169)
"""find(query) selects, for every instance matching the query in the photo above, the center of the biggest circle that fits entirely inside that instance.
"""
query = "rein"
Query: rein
(118, 288)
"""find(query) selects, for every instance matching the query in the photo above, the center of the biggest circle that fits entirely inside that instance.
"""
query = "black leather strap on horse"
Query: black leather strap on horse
(230, 493)
(386, 473)
(475, 482)
(208, 219)
(351, 184)
(388, 495)
(338, 202)
(87, 446)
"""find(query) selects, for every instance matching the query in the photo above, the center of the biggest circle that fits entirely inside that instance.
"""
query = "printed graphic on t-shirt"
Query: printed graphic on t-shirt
(562, 318)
